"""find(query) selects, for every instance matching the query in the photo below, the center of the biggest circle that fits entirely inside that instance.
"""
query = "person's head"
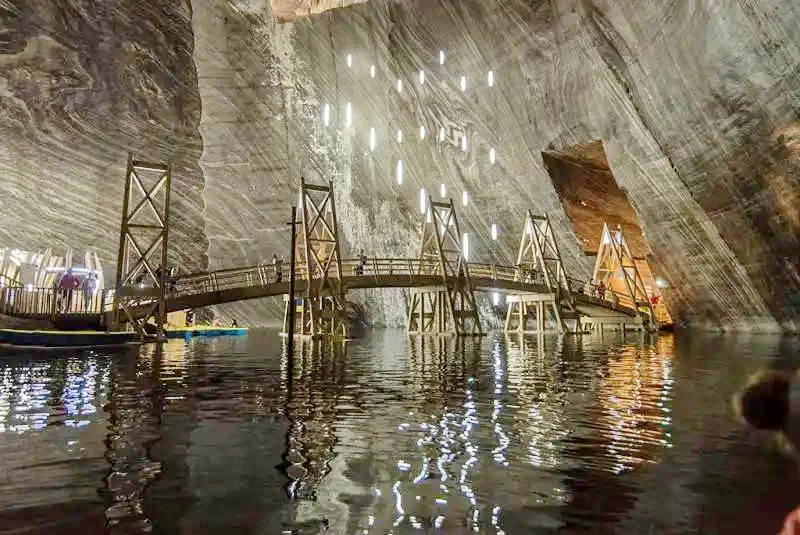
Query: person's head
(69, 271)
(764, 402)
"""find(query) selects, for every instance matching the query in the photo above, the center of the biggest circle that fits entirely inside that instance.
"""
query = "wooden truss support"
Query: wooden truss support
(518, 315)
(449, 308)
(322, 309)
(539, 262)
(615, 263)
(143, 246)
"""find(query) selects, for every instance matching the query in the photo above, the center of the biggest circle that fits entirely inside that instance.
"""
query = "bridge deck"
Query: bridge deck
(231, 285)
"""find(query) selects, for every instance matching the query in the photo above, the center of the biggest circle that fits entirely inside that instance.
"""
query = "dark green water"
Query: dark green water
(392, 435)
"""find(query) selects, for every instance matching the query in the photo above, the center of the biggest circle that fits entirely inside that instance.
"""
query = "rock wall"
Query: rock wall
(81, 84)
(696, 104)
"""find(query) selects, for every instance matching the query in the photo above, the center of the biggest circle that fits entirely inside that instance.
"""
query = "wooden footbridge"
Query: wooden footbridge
(441, 284)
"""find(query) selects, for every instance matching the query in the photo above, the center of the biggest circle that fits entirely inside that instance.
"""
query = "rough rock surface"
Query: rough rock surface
(696, 104)
(81, 84)
(285, 10)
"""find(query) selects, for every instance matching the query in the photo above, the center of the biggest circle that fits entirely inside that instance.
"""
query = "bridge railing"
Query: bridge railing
(603, 294)
(49, 301)
(262, 275)
(42, 302)
(506, 273)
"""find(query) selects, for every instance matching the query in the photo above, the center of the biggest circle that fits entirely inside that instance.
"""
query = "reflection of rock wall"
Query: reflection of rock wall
(81, 83)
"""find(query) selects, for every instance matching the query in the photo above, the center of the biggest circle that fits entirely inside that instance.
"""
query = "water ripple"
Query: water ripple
(387, 434)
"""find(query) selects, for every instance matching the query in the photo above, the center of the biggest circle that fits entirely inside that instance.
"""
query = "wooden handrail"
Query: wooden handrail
(44, 301)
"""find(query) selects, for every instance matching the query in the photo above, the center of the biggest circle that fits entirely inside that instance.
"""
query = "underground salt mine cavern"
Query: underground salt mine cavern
(399, 266)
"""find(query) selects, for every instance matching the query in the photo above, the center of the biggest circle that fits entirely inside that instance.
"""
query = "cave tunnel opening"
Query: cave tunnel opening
(590, 196)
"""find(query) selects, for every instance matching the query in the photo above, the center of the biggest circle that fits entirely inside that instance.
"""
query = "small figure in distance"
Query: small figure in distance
(277, 265)
(88, 288)
(234, 324)
(173, 279)
(362, 260)
(69, 282)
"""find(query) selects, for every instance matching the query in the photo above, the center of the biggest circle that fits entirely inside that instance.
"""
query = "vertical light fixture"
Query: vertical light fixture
(496, 299)
(348, 115)
(399, 136)
(399, 85)
(442, 191)
(441, 133)
(372, 138)
(494, 231)
(422, 201)
(464, 198)
(421, 77)
(399, 172)
(492, 156)
(441, 57)
(464, 143)
(372, 71)
(326, 114)
(349, 60)
(422, 132)
(465, 245)
(463, 83)
(490, 78)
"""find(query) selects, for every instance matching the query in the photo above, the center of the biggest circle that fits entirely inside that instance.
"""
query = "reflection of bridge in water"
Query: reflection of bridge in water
(441, 282)
(532, 423)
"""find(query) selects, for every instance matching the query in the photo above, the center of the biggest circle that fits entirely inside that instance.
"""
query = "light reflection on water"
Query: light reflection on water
(505, 434)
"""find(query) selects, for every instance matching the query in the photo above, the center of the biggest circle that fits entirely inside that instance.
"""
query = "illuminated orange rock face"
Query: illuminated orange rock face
(590, 197)
(287, 10)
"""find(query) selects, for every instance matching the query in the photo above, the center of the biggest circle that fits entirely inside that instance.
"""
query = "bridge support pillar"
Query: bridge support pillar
(322, 311)
(140, 292)
(519, 311)
(539, 259)
(449, 308)
(428, 312)
(616, 268)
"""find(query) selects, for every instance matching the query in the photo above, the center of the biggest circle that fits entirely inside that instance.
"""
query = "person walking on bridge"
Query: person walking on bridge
(362, 261)
(69, 282)
(88, 288)
(277, 267)
(601, 290)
